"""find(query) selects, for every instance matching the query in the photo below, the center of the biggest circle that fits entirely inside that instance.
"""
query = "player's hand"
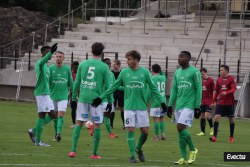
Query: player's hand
(53, 48)
(223, 93)
(164, 107)
(212, 105)
(96, 102)
(197, 113)
(73, 104)
(169, 112)
(109, 108)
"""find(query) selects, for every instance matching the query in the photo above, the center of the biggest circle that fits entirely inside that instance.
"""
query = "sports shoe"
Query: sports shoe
(91, 130)
(155, 138)
(181, 161)
(73, 126)
(54, 138)
(41, 144)
(112, 135)
(72, 154)
(201, 134)
(58, 137)
(213, 139)
(95, 157)
(231, 139)
(192, 156)
(32, 135)
(140, 155)
(132, 160)
(211, 131)
(163, 137)
(124, 128)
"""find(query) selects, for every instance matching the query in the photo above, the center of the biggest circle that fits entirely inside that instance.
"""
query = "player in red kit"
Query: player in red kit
(208, 90)
(225, 88)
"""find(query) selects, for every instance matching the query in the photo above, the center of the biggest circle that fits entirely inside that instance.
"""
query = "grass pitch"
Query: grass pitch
(16, 149)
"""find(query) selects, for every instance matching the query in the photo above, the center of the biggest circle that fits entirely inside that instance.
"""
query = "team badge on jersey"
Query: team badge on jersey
(64, 72)
(187, 74)
(142, 75)
(53, 71)
(127, 75)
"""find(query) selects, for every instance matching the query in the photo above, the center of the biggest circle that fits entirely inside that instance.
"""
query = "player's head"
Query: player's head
(75, 65)
(184, 58)
(97, 49)
(116, 64)
(203, 73)
(156, 69)
(133, 58)
(107, 61)
(45, 50)
(224, 70)
(59, 57)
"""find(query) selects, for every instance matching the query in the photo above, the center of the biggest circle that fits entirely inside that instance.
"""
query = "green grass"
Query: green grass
(16, 148)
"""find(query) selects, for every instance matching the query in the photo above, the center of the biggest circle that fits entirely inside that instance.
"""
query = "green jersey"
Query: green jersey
(60, 79)
(42, 76)
(135, 88)
(92, 75)
(186, 89)
(159, 81)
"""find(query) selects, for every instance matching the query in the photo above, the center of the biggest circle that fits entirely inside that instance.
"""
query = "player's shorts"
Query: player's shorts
(225, 110)
(83, 110)
(44, 103)
(105, 106)
(140, 117)
(205, 108)
(183, 116)
(119, 95)
(156, 112)
(60, 105)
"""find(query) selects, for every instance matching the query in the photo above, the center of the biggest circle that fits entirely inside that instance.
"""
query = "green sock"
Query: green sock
(76, 135)
(107, 124)
(55, 124)
(131, 143)
(39, 129)
(96, 138)
(186, 135)
(60, 124)
(183, 146)
(156, 128)
(141, 141)
(47, 120)
(162, 125)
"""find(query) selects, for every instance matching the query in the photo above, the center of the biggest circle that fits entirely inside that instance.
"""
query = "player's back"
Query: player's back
(94, 74)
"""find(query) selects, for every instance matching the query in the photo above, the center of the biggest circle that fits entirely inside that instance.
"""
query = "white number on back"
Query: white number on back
(161, 86)
(91, 72)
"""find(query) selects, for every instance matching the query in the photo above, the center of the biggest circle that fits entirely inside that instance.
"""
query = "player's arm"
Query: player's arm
(71, 82)
(50, 77)
(48, 55)
(174, 91)
(233, 86)
(107, 83)
(198, 87)
(120, 88)
(77, 83)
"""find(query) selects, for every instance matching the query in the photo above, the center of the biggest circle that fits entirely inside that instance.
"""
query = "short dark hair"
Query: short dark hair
(75, 63)
(104, 60)
(225, 67)
(45, 48)
(97, 48)
(134, 54)
(60, 52)
(204, 70)
(187, 53)
(156, 68)
(118, 62)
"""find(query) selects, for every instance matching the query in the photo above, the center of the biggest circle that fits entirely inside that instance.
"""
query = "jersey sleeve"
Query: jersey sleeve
(217, 89)
(233, 83)
(173, 94)
(77, 83)
(153, 88)
(71, 82)
(213, 85)
(198, 87)
(111, 89)
(107, 82)
(44, 59)
(50, 77)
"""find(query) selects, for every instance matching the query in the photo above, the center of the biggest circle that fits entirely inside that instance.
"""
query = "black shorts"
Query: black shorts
(119, 95)
(225, 110)
(206, 108)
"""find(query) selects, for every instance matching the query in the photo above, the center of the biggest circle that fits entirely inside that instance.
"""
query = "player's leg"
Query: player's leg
(106, 119)
(162, 127)
(209, 119)
(73, 115)
(122, 116)
(55, 120)
(218, 112)
(130, 117)
(155, 113)
(202, 122)
(62, 107)
(120, 97)
(81, 117)
(142, 122)
(230, 114)
(97, 119)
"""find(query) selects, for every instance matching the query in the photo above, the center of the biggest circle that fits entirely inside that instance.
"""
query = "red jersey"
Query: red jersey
(225, 84)
(208, 86)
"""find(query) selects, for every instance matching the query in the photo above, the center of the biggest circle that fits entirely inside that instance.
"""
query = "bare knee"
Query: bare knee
(144, 130)
(181, 127)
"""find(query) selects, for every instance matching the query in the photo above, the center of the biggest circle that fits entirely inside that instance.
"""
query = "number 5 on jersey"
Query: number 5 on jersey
(91, 71)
